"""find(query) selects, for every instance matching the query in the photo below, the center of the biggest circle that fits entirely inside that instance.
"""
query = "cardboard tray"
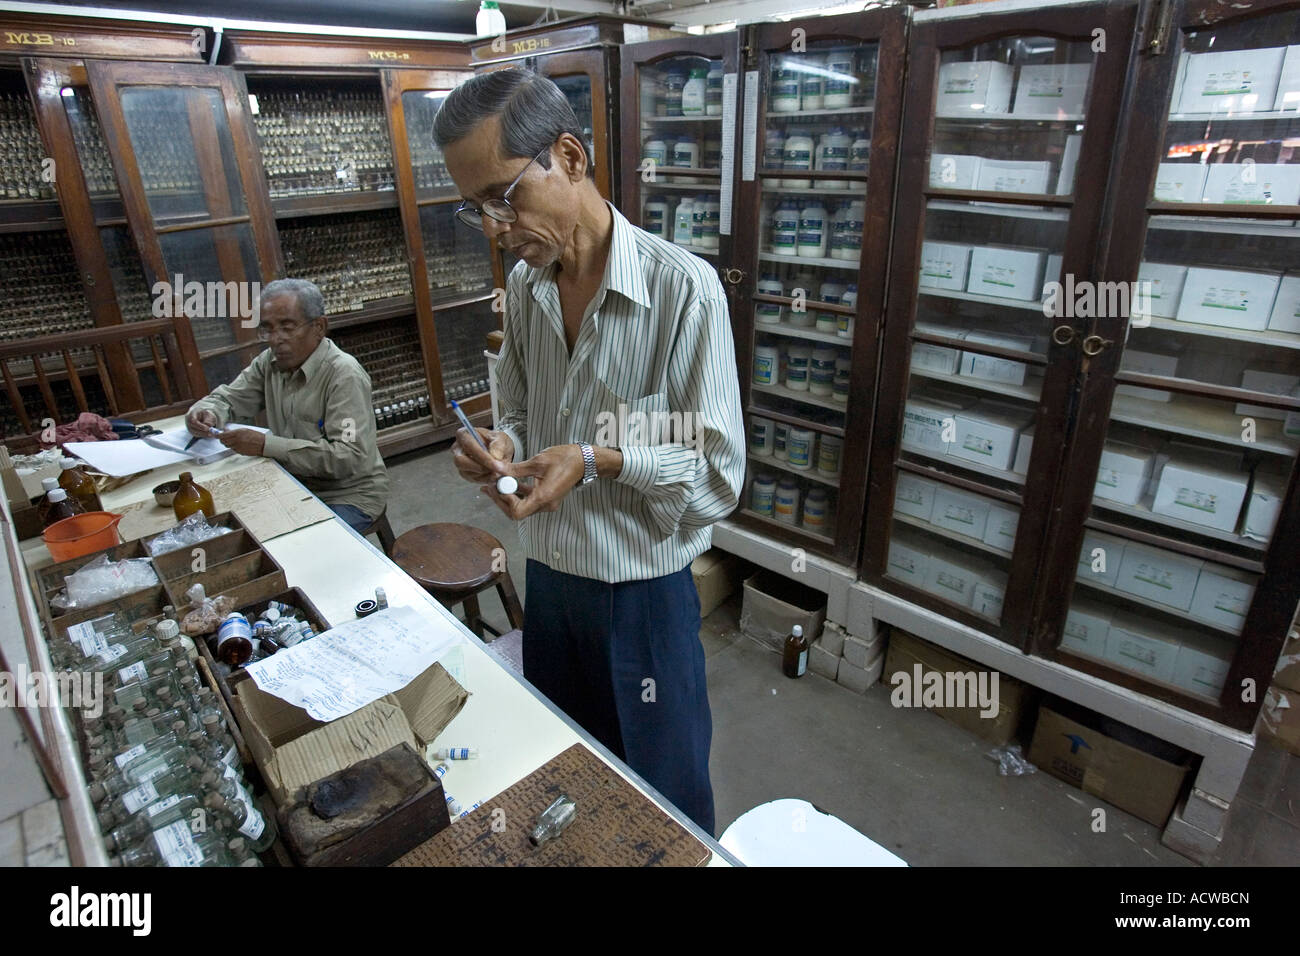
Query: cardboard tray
(246, 578)
(229, 686)
(224, 519)
(179, 563)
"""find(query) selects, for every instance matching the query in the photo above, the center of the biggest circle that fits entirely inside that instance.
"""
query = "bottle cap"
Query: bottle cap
(507, 485)
(798, 630)
(49, 484)
(167, 630)
(106, 820)
(66, 463)
(97, 792)
(209, 778)
(237, 846)
(57, 495)
(140, 703)
(178, 725)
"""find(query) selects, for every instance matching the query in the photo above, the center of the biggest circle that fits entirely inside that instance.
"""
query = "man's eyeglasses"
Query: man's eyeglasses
(498, 209)
(287, 330)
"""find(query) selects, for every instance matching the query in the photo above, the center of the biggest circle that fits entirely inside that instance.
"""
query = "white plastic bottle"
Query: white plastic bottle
(656, 217)
(833, 156)
(767, 365)
(849, 298)
(682, 222)
(765, 210)
(859, 152)
(784, 87)
(655, 149)
(798, 156)
(693, 93)
(490, 21)
(686, 152)
(699, 212)
(762, 493)
(812, 84)
(798, 362)
(839, 87)
(821, 375)
(850, 247)
(713, 89)
(785, 228)
(774, 148)
(712, 221)
(811, 242)
(674, 83)
(830, 291)
(769, 313)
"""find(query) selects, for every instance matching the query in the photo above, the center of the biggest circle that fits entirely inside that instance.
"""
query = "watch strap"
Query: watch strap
(588, 462)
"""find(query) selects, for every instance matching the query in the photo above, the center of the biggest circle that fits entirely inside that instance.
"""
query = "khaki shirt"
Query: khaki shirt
(322, 423)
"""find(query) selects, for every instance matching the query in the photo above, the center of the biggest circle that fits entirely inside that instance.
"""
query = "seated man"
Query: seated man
(317, 401)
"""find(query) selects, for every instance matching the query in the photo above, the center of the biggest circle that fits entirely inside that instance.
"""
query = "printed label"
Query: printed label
(176, 845)
(127, 756)
(136, 671)
(164, 804)
(140, 797)
(111, 653)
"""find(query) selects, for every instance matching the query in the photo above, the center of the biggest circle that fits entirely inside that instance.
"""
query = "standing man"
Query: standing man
(317, 403)
(609, 331)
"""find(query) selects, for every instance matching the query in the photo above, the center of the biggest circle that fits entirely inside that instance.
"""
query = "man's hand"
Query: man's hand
(246, 441)
(555, 471)
(201, 422)
(477, 465)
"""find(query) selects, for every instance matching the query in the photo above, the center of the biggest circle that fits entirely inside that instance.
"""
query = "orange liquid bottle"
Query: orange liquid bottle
(79, 485)
(191, 497)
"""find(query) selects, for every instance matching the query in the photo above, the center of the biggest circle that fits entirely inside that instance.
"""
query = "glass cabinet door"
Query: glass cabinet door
(1183, 554)
(993, 215)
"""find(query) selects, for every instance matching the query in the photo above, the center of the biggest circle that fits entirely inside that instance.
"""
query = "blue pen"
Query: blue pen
(506, 485)
(321, 425)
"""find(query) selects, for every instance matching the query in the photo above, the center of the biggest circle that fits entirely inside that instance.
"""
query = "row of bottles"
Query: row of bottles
(164, 771)
(686, 151)
(693, 221)
(834, 150)
(813, 228)
(399, 413)
(781, 499)
(72, 493)
(837, 79)
(684, 90)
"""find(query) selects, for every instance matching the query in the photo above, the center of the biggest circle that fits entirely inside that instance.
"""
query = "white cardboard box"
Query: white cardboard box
(1228, 298)
(990, 592)
(951, 577)
(954, 170)
(1286, 306)
(1006, 272)
(1234, 81)
(1288, 87)
(1024, 448)
(1164, 288)
(1179, 182)
(1271, 382)
(923, 418)
(971, 88)
(990, 368)
(1143, 645)
(1160, 576)
(937, 358)
(960, 512)
(1013, 176)
(907, 562)
(1086, 625)
(1267, 489)
(1202, 664)
(1069, 163)
(1058, 90)
(914, 496)
(1100, 557)
(1253, 183)
(944, 265)
(1000, 532)
(1203, 489)
(1223, 597)
(1123, 472)
(1147, 363)
(987, 434)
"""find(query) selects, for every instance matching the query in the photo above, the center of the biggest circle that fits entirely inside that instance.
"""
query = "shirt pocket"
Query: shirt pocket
(625, 422)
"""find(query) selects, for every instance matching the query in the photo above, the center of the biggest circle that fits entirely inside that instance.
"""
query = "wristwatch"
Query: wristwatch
(588, 463)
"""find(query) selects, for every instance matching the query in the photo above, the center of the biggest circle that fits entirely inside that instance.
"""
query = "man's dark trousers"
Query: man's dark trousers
(625, 662)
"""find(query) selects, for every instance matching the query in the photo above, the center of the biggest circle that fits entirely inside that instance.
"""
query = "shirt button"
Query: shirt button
(564, 412)
(555, 555)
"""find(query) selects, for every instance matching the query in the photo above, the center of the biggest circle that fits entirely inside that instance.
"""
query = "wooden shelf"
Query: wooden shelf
(950, 535)
(1009, 212)
(686, 187)
(795, 420)
(829, 114)
(1028, 392)
(965, 465)
(1205, 418)
(375, 311)
(792, 332)
(815, 190)
(800, 396)
(1233, 117)
(796, 528)
(812, 474)
(1232, 227)
(1012, 119)
(1142, 512)
(30, 215)
(1124, 596)
(328, 204)
(849, 264)
(1035, 306)
(698, 250)
(1283, 340)
(646, 120)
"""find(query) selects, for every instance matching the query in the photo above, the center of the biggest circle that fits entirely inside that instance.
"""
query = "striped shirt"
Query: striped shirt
(653, 372)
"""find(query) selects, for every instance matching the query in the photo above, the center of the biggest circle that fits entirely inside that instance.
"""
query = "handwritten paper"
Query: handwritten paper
(345, 668)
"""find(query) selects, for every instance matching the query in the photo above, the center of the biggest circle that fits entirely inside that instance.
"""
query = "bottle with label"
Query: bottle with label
(115, 811)
(780, 438)
(830, 291)
(766, 364)
(694, 92)
(797, 157)
(785, 229)
(840, 389)
(674, 85)
(783, 95)
(851, 225)
(760, 436)
(774, 148)
(801, 290)
(490, 21)
(656, 216)
(47, 485)
(800, 446)
(798, 359)
(153, 817)
(829, 451)
(192, 497)
(761, 495)
(78, 484)
(849, 298)
(785, 507)
(812, 83)
(712, 221)
(176, 845)
(660, 82)
(812, 231)
(251, 823)
(234, 640)
(698, 214)
(686, 152)
(833, 156)
(59, 506)
(162, 690)
(713, 89)
(769, 313)
(794, 656)
(821, 376)
(814, 510)
(859, 152)
(838, 90)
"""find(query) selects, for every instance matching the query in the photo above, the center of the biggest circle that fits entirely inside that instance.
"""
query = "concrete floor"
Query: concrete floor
(913, 782)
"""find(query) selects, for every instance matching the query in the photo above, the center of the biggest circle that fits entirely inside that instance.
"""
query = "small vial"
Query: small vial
(456, 753)
(465, 813)
(440, 771)
(381, 598)
(453, 806)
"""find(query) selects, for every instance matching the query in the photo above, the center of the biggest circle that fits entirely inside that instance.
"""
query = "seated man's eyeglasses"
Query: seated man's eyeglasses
(285, 330)
(498, 209)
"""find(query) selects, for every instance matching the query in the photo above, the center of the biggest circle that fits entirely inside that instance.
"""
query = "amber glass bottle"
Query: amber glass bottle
(794, 660)
(191, 497)
(79, 485)
(59, 505)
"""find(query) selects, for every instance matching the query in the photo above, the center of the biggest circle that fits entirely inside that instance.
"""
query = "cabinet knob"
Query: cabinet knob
(1063, 334)
(1095, 344)
(733, 276)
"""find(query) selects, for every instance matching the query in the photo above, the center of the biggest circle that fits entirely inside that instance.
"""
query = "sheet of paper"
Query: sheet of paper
(122, 458)
(204, 451)
(347, 667)
(749, 131)
(728, 150)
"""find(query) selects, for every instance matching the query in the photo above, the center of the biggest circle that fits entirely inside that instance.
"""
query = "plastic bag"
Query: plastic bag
(104, 580)
(1011, 762)
(205, 613)
(191, 531)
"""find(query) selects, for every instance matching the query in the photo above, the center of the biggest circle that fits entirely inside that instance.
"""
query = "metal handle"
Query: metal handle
(1063, 334)
(733, 276)
(1095, 344)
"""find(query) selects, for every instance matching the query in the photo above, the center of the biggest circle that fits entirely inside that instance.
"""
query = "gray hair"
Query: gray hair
(306, 293)
(533, 110)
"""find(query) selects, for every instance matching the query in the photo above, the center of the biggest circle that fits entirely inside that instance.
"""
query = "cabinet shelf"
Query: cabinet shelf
(769, 186)
(1233, 117)
(850, 265)
(327, 204)
(950, 535)
(685, 187)
(812, 474)
(1235, 227)
(792, 332)
(1028, 392)
(1142, 512)
(30, 215)
(1282, 340)
(1002, 212)
(1125, 597)
(808, 114)
(1204, 418)
(970, 466)
(800, 396)
(376, 311)
(1011, 119)
(647, 120)
(796, 528)
(1035, 306)
(795, 420)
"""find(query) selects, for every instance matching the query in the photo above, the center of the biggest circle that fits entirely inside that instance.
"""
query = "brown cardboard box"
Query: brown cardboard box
(1287, 675)
(1144, 784)
(1279, 718)
(293, 750)
(716, 574)
(907, 653)
(774, 604)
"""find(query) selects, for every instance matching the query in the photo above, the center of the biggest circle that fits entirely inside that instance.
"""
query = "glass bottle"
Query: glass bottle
(58, 505)
(119, 809)
(175, 845)
(192, 497)
(47, 485)
(252, 824)
(794, 660)
(177, 807)
(78, 484)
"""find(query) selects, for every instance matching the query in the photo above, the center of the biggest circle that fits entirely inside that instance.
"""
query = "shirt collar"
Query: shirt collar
(624, 272)
(315, 360)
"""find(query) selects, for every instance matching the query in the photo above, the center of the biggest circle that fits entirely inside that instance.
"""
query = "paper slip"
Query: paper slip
(345, 668)
(133, 455)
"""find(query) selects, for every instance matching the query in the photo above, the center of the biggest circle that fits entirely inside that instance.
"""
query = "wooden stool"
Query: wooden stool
(454, 562)
(384, 530)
